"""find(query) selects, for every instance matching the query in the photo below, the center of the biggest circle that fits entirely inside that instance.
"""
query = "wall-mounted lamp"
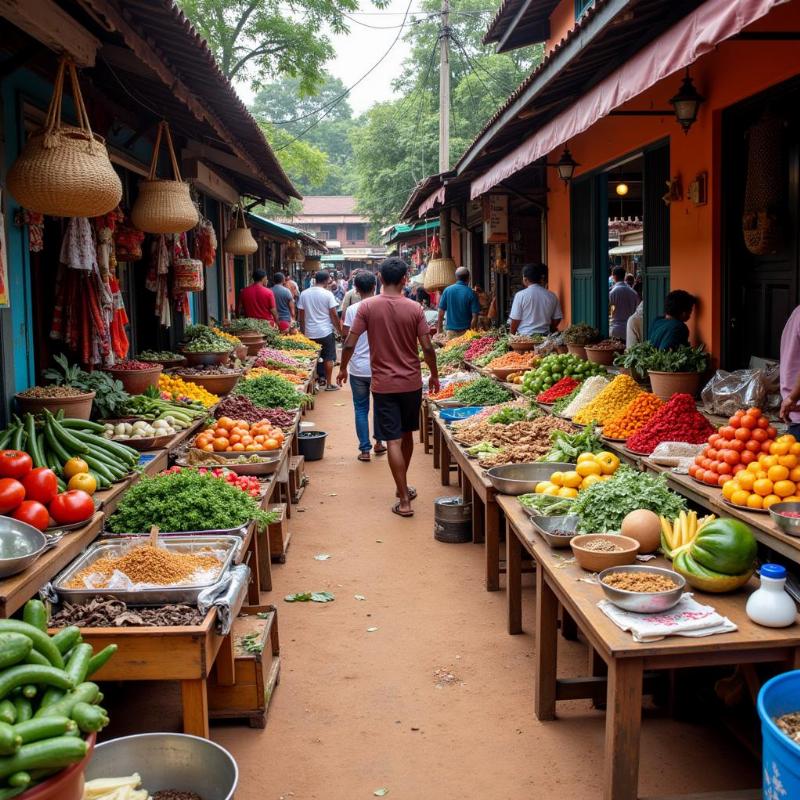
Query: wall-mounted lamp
(687, 103)
(621, 189)
(565, 166)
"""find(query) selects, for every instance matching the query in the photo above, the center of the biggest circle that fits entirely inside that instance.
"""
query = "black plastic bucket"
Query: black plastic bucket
(311, 444)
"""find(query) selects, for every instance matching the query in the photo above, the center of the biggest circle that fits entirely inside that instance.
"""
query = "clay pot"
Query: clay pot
(577, 350)
(206, 359)
(600, 356)
(77, 407)
(135, 381)
(665, 384)
(216, 384)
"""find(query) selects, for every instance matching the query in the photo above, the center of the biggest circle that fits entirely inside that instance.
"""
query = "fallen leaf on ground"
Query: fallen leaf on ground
(382, 792)
(305, 597)
(379, 541)
(359, 597)
(322, 556)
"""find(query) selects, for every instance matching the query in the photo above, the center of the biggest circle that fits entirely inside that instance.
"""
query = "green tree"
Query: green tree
(257, 40)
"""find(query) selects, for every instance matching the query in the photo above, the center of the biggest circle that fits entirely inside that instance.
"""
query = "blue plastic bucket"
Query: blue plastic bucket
(780, 755)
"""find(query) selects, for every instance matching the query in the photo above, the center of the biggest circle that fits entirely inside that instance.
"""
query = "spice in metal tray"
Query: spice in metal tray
(639, 582)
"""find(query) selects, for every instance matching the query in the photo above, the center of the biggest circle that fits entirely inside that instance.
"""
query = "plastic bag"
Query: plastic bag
(727, 392)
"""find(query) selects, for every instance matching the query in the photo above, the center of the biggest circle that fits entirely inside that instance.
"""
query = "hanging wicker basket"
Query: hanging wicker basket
(312, 265)
(240, 241)
(164, 206)
(440, 272)
(64, 170)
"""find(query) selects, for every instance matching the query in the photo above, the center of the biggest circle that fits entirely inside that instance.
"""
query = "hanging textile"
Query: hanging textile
(158, 278)
(205, 242)
(35, 222)
(106, 228)
(128, 240)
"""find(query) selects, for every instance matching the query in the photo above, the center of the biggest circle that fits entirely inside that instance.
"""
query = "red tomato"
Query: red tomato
(771, 432)
(699, 475)
(763, 423)
(714, 440)
(754, 412)
(12, 493)
(728, 432)
(738, 468)
(753, 446)
(732, 457)
(14, 464)
(734, 420)
(742, 434)
(765, 446)
(34, 513)
(693, 470)
(41, 485)
(760, 435)
(711, 478)
(723, 479)
(71, 506)
(712, 453)
(736, 445)
(724, 469)
(698, 460)
(749, 422)
(748, 457)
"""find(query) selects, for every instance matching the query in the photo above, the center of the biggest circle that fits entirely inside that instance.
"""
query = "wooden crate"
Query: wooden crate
(279, 535)
(256, 674)
(297, 477)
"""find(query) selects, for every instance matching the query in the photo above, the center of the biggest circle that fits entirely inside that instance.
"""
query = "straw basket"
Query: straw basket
(441, 272)
(311, 265)
(239, 241)
(164, 206)
(64, 171)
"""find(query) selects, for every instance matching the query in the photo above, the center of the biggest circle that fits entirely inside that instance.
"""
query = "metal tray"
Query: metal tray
(145, 597)
(239, 533)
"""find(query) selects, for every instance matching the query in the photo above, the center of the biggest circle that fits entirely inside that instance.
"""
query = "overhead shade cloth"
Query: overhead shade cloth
(686, 41)
(427, 205)
(624, 250)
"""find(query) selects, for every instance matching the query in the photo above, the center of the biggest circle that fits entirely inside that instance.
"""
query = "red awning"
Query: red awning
(695, 35)
(427, 205)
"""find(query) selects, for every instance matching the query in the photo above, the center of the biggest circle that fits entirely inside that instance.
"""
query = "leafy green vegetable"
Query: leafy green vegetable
(568, 446)
(271, 391)
(482, 392)
(110, 396)
(581, 334)
(506, 416)
(313, 597)
(603, 506)
(185, 501)
(545, 505)
(484, 447)
(643, 357)
(203, 340)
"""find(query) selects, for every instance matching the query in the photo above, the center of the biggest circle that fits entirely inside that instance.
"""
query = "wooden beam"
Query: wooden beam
(46, 22)
(153, 59)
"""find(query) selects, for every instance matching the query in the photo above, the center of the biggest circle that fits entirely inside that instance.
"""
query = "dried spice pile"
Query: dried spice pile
(632, 417)
(148, 564)
(639, 582)
(108, 612)
(615, 396)
(678, 420)
(590, 388)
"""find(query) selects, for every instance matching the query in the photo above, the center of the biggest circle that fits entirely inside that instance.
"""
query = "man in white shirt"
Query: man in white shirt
(360, 371)
(535, 310)
(318, 320)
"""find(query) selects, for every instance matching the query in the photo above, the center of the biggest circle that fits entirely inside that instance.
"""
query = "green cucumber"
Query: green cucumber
(81, 425)
(35, 657)
(17, 438)
(51, 697)
(49, 456)
(10, 740)
(41, 641)
(100, 468)
(78, 663)
(33, 446)
(23, 708)
(66, 638)
(14, 647)
(99, 659)
(33, 730)
(59, 451)
(85, 693)
(67, 439)
(115, 450)
(30, 673)
(19, 779)
(102, 483)
(111, 463)
(5, 438)
(13, 791)
(35, 613)
(90, 718)
(61, 751)
(8, 713)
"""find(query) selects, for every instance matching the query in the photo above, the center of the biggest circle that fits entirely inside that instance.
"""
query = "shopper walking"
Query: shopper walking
(360, 372)
(622, 302)
(257, 301)
(535, 309)
(460, 304)
(284, 302)
(396, 326)
(292, 286)
(316, 311)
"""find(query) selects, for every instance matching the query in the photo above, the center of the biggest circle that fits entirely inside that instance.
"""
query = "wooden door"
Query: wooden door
(759, 291)
(655, 212)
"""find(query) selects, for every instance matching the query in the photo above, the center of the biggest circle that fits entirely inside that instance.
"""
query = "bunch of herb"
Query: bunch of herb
(270, 391)
(545, 505)
(185, 501)
(603, 506)
(482, 392)
(284, 343)
(643, 357)
(568, 446)
(505, 416)
(203, 340)
(110, 397)
(501, 348)
(563, 402)
(581, 334)
(454, 355)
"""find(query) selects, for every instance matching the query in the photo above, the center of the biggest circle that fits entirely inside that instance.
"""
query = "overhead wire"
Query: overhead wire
(476, 65)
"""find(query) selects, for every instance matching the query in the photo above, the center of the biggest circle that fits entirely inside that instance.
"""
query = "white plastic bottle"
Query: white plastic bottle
(770, 605)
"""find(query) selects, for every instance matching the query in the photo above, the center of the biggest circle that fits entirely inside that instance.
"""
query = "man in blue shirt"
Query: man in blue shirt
(461, 305)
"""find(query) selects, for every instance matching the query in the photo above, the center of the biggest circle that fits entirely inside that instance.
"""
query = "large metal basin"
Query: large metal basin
(522, 478)
(168, 761)
(20, 545)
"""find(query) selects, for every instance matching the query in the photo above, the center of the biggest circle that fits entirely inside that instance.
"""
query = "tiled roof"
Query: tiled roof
(329, 205)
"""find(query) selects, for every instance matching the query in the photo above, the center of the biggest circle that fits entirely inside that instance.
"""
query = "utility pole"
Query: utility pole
(444, 119)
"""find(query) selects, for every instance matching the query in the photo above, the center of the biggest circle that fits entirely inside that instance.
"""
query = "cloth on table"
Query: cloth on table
(687, 618)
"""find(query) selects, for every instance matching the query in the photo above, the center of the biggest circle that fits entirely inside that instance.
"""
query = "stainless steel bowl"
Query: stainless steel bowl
(519, 479)
(168, 761)
(790, 525)
(20, 545)
(644, 602)
(544, 526)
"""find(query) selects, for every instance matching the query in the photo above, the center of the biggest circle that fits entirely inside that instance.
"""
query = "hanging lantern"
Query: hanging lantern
(240, 241)
(687, 103)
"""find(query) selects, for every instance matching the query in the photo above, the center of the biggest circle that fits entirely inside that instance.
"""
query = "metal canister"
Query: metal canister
(452, 520)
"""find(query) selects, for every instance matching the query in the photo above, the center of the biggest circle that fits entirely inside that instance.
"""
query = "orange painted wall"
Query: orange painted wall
(734, 71)
(562, 21)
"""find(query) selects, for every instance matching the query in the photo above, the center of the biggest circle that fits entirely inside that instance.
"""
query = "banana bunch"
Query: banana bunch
(680, 533)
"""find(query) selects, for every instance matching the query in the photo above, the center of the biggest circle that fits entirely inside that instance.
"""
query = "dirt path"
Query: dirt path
(358, 710)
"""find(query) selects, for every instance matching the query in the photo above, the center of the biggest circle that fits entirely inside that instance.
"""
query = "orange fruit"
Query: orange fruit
(762, 474)
(746, 479)
(571, 479)
(754, 467)
(739, 497)
(794, 449)
(778, 473)
(755, 501)
(768, 461)
(225, 422)
(763, 486)
(771, 499)
(779, 448)
(220, 444)
(789, 461)
(728, 488)
(783, 488)
(794, 475)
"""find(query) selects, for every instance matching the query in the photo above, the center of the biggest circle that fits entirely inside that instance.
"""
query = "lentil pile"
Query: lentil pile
(601, 546)
(639, 582)
(51, 391)
(148, 564)
(632, 417)
(240, 407)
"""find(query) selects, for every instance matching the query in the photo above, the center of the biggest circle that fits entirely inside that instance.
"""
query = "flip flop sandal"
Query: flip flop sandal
(379, 451)
(332, 388)
(364, 457)
(396, 510)
(412, 493)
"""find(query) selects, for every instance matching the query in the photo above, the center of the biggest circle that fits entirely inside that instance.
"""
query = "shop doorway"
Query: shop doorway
(760, 285)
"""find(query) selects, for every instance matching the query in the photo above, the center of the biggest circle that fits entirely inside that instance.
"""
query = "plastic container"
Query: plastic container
(780, 756)
(770, 605)
(311, 444)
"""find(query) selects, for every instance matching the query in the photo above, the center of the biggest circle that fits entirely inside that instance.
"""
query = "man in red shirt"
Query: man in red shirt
(394, 325)
(257, 300)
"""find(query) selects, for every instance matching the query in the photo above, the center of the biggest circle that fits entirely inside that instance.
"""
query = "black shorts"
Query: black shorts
(328, 345)
(395, 413)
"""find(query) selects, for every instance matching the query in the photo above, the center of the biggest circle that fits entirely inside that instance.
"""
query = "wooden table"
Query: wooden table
(476, 488)
(557, 583)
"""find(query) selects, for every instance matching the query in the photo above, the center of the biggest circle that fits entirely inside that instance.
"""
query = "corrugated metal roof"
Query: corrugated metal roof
(284, 231)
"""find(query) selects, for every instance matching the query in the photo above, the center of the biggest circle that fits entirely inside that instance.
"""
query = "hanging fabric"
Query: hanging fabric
(63, 170)
(205, 242)
(127, 240)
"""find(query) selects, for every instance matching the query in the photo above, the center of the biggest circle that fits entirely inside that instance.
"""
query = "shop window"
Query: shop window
(581, 6)
(355, 233)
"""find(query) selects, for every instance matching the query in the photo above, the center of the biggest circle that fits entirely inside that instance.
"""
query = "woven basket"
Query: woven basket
(441, 272)
(239, 241)
(164, 206)
(63, 170)
(312, 265)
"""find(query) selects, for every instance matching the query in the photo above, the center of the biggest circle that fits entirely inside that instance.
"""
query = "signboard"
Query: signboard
(495, 219)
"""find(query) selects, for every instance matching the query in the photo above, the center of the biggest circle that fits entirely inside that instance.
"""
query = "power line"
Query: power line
(476, 65)
(384, 27)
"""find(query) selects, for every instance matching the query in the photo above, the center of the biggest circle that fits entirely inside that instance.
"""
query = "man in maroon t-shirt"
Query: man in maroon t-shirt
(395, 325)
(257, 300)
